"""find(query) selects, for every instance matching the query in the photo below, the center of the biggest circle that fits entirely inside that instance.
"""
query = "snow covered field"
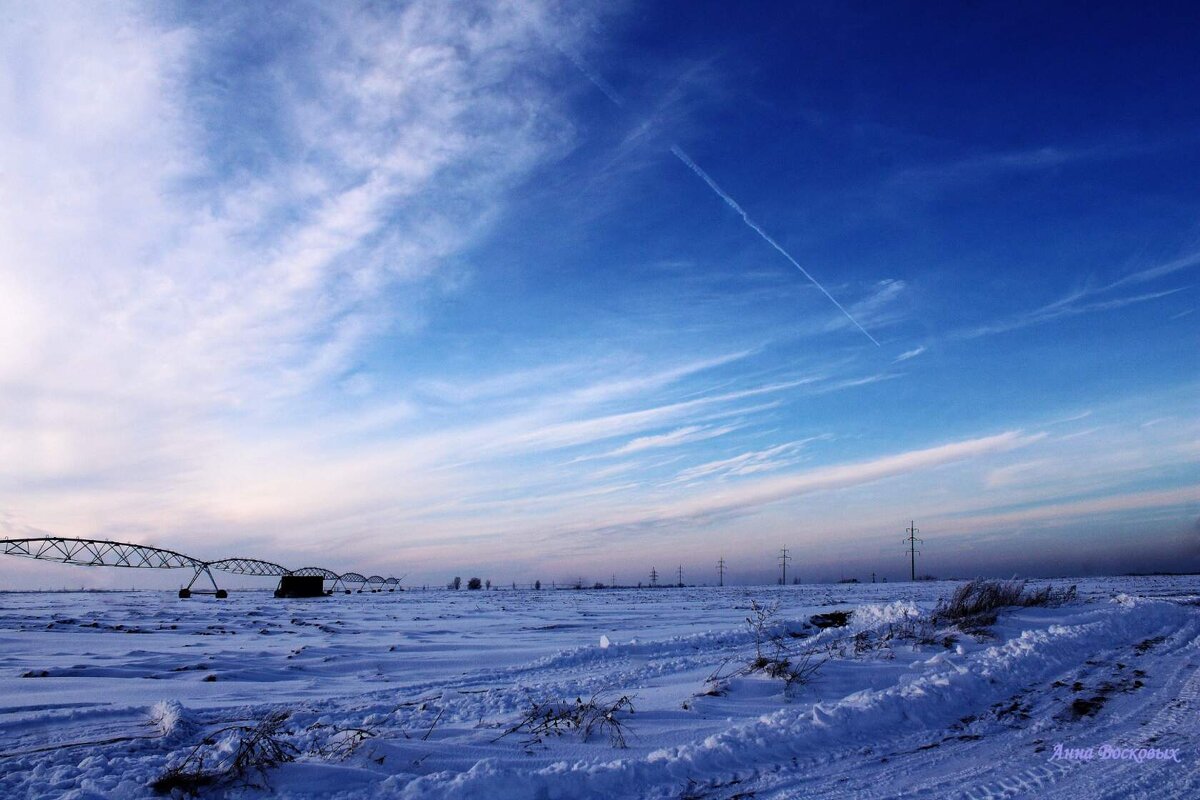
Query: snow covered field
(410, 694)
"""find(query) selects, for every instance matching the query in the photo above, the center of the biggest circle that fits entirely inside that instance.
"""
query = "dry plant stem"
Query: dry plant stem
(585, 718)
(259, 748)
(779, 663)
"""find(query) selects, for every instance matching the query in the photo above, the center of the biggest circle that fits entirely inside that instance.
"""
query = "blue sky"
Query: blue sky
(434, 289)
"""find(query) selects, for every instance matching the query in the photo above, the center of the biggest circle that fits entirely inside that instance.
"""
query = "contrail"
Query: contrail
(597, 81)
(615, 97)
(682, 156)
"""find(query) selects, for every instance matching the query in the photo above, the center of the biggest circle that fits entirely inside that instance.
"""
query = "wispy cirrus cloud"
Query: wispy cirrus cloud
(1063, 513)
(985, 165)
(1184, 262)
(1090, 299)
(674, 438)
(259, 275)
(169, 274)
(768, 459)
(1074, 304)
(303, 301)
(752, 495)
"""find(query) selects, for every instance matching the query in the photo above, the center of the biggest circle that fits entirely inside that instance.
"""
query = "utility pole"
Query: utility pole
(614, 580)
(912, 530)
(681, 574)
(783, 559)
(721, 572)
(653, 577)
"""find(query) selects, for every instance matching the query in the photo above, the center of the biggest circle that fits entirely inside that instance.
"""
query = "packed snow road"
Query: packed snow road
(520, 694)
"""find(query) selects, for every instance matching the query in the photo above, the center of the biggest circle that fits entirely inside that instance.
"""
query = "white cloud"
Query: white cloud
(774, 489)
(1086, 300)
(679, 436)
(161, 299)
(770, 458)
(754, 494)
(1186, 261)
(1068, 306)
(184, 307)
(1066, 512)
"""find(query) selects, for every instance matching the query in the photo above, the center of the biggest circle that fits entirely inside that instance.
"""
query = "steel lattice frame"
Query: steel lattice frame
(352, 577)
(98, 553)
(250, 566)
(107, 553)
(327, 574)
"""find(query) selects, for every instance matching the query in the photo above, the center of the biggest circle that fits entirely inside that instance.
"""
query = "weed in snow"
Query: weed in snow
(340, 743)
(583, 717)
(974, 604)
(234, 755)
(772, 655)
(165, 716)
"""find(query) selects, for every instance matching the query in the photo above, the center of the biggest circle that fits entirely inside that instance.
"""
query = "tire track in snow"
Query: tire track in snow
(998, 764)
(935, 699)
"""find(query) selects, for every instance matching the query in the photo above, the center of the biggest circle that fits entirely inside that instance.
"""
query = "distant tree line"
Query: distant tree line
(475, 584)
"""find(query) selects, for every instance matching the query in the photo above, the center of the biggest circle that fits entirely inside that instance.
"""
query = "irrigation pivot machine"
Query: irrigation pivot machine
(305, 582)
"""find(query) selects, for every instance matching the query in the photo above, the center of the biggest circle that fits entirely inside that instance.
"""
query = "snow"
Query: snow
(411, 694)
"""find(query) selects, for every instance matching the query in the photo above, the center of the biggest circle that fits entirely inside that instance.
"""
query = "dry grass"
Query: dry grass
(341, 743)
(255, 749)
(584, 718)
(975, 603)
(772, 656)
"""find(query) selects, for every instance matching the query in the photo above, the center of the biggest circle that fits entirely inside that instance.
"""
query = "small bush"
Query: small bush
(759, 623)
(254, 749)
(792, 670)
(918, 629)
(585, 718)
(341, 742)
(1049, 596)
(474, 584)
(978, 598)
(976, 602)
(772, 656)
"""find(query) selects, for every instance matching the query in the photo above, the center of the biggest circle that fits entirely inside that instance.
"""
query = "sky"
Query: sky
(545, 291)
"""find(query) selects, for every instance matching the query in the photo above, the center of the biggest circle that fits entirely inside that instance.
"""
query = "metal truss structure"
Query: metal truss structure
(97, 553)
(106, 553)
(355, 578)
(249, 566)
(327, 574)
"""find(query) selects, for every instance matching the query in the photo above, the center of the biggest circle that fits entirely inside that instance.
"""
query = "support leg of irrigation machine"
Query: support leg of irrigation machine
(216, 591)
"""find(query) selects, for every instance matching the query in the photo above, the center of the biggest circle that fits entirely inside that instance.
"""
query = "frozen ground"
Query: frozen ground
(434, 678)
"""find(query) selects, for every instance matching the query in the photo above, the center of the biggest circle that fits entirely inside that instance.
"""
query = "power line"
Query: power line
(783, 559)
(912, 530)
(681, 574)
(721, 572)
(653, 577)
